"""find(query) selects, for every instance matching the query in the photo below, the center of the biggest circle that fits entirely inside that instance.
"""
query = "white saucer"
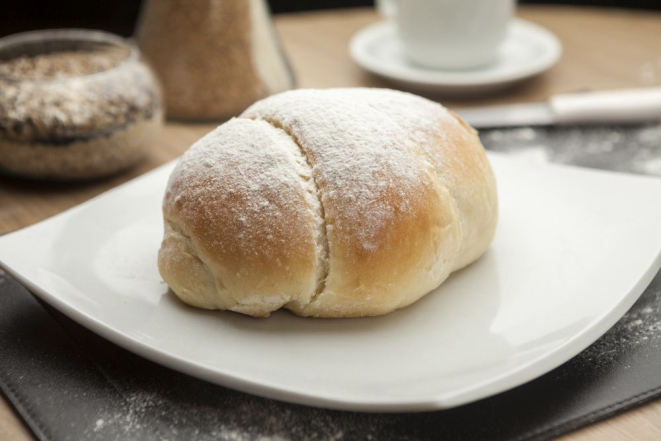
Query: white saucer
(528, 50)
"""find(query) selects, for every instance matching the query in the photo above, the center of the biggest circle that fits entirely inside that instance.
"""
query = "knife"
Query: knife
(604, 107)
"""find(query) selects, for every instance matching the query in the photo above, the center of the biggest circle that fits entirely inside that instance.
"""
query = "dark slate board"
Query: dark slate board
(69, 384)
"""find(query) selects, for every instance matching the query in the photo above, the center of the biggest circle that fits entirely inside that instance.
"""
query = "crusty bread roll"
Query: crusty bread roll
(330, 203)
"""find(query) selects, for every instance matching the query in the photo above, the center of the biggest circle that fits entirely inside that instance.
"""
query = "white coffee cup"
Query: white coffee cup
(450, 34)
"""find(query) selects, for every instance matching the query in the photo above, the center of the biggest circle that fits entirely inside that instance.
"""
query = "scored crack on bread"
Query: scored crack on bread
(330, 203)
(240, 217)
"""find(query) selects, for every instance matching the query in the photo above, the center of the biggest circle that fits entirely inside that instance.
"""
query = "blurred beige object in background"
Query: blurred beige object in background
(214, 58)
(74, 104)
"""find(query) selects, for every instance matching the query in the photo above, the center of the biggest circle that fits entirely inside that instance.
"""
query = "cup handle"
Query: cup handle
(387, 8)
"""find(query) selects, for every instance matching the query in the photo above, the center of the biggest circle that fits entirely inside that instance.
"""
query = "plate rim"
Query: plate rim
(458, 79)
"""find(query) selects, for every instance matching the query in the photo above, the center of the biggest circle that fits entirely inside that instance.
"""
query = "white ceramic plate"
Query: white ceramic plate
(528, 50)
(574, 250)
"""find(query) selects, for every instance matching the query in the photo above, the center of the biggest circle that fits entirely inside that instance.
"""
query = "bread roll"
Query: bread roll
(330, 203)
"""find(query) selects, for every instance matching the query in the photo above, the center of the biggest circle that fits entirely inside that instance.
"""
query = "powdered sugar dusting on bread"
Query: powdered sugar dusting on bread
(364, 168)
(447, 143)
(429, 125)
(234, 161)
(243, 188)
(313, 199)
(331, 203)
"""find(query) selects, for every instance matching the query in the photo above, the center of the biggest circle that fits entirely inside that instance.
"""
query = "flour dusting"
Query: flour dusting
(633, 149)
(639, 328)
(367, 169)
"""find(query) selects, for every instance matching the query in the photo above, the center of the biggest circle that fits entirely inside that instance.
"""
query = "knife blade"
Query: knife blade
(603, 107)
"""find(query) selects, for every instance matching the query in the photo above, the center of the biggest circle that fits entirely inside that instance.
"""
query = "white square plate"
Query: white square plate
(574, 250)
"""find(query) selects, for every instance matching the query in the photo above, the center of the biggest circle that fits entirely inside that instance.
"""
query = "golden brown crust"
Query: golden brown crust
(258, 247)
(404, 188)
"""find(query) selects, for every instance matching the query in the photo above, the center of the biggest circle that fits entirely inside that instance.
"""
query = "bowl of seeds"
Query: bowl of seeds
(74, 104)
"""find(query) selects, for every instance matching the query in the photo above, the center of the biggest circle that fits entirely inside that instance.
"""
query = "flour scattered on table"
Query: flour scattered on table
(237, 417)
(640, 327)
(633, 149)
(99, 424)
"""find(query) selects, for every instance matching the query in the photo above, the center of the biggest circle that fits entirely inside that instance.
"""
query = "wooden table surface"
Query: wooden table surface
(602, 49)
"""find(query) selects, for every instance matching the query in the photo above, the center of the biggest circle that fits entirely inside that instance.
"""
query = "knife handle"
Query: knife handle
(618, 106)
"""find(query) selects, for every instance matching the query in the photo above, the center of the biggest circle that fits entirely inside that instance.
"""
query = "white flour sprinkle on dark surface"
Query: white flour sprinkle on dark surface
(635, 149)
(639, 329)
